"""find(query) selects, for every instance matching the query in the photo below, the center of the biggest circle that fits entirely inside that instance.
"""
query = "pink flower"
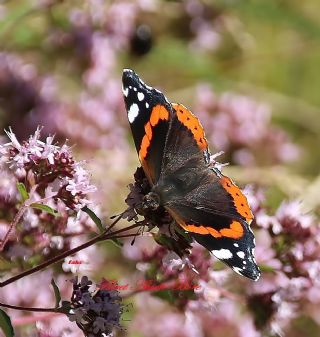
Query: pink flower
(50, 166)
(292, 220)
(242, 128)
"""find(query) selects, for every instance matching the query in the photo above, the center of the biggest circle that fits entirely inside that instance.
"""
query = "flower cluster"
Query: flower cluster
(241, 127)
(180, 277)
(48, 167)
(52, 177)
(288, 245)
(97, 312)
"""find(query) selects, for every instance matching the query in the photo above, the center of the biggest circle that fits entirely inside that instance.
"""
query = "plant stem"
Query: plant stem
(18, 216)
(4, 305)
(13, 224)
(102, 237)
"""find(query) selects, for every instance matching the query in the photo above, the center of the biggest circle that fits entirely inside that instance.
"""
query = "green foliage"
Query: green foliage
(5, 324)
(44, 208)
(94, 218)
(23, 191)
(57, 294)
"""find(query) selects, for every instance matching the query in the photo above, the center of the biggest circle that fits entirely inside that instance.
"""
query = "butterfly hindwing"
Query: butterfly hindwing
(210, 215)
(236, 253)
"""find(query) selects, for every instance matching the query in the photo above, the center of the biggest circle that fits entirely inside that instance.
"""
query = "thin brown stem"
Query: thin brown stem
(106, 235)
(19, 215)
(4, 305)
(13, 224)
(71, 235)
(130, 235)
(113, 223)
(51, 261)
(102, 237)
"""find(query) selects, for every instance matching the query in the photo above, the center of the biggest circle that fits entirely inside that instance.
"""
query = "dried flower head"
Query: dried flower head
(96, 312)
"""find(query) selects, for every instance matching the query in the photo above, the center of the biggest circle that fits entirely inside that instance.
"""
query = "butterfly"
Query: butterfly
(175, 157)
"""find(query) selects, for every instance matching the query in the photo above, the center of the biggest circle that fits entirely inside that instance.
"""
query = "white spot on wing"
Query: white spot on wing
(237, 270)
(222, 254)
(236, 245)
(125, 92)
(134, 88)
(147, 105)
(133, 112)
(140, 96)
(241, 254)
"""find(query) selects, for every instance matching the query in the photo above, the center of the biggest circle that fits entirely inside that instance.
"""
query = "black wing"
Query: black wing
(149, 115)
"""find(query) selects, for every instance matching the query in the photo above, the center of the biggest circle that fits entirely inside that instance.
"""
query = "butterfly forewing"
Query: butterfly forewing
(149, 114)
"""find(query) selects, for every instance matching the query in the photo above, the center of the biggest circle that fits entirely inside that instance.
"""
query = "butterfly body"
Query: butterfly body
(174, 155)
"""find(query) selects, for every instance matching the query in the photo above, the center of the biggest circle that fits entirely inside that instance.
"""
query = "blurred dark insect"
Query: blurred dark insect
(142, 40)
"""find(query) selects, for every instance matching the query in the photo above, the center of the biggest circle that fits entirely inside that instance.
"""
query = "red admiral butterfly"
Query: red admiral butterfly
(174, 155)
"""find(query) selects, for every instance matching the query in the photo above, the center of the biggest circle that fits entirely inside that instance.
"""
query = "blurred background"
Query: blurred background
(248, 69)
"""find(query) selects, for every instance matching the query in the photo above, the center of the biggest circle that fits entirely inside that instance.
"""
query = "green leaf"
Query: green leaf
(5, 324)
(56, 293)
(44, 208)
(23, 191)
(94, 218)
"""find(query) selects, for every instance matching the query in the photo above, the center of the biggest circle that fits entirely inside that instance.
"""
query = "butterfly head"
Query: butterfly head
(151, 202)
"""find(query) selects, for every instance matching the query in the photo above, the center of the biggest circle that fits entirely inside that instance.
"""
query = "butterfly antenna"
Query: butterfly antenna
(139, 231)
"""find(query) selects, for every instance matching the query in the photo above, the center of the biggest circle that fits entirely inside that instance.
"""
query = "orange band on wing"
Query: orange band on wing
(189, 120)
(196, 229)
(240, 201)
(235, 231)
(159, 112)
